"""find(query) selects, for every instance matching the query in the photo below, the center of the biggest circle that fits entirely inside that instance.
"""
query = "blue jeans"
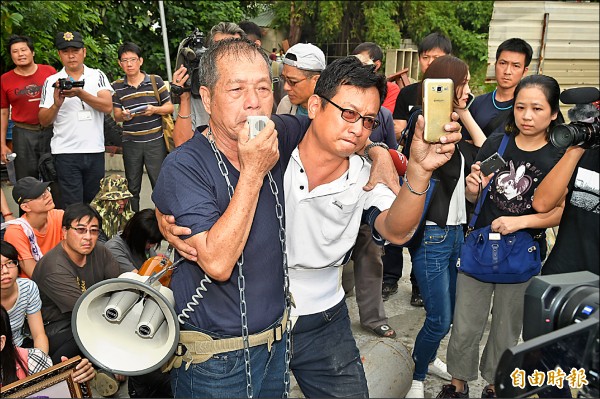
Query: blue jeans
(224, 375)
(79, 176)
(136, 155)
(434, 264)
(325, 359)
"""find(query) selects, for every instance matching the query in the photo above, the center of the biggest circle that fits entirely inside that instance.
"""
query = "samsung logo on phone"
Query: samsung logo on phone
(438, 101)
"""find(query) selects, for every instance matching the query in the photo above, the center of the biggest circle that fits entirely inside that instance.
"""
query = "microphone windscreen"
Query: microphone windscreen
(580, 95)
(400, 161)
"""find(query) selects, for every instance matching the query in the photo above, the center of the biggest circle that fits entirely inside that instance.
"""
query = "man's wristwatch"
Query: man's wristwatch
(373, 144)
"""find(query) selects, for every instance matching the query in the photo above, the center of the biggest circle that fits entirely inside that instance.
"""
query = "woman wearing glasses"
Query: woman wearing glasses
(21, 298)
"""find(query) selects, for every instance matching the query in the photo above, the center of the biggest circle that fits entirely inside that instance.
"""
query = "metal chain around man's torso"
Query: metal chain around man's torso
(242, 280)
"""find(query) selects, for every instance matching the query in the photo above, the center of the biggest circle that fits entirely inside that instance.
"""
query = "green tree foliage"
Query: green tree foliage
(106, 24)
(466, 23)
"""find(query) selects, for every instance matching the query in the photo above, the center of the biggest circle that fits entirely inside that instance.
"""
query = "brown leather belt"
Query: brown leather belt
(27, 126)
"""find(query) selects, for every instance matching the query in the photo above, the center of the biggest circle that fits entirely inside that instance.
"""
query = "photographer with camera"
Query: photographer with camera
(574, 182)
(75, 100)
(186, 82)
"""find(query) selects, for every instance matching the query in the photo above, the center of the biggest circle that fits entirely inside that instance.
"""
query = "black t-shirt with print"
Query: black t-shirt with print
(511, 191)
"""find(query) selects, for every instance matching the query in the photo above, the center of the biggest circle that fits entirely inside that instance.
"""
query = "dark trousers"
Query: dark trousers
(63, 344)
(393, 263)
(325, 359)
(79, 176)
(136, 155)
(29, 146)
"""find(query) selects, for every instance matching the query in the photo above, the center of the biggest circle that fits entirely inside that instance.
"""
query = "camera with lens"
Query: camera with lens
(560, 329)
(191, 50)
(584, 130)
(68, 84)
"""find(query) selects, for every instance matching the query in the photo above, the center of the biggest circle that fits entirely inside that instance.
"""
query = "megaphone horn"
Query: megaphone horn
(121, 333)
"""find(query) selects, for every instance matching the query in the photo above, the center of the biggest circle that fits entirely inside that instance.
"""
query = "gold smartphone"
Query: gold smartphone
(438, 103)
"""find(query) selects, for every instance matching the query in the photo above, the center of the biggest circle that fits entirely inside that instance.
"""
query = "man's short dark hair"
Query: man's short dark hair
(516, 45)
(237, 48)
(435, 40)
(19, 39)
(129, 47)
(76, 212)
(349, 71)
(251, 29)
(375, 52)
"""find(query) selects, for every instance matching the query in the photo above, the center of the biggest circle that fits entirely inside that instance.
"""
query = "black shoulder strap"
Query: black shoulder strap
(494, 123)
(409, 131)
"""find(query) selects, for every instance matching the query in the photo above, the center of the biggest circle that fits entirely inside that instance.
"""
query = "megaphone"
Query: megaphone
(127, 325)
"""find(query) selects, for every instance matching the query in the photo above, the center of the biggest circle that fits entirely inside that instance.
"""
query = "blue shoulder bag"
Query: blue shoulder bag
(494, 258)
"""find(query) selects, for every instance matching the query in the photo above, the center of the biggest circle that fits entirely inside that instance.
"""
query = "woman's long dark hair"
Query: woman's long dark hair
(140, 230)
(549, 86)
(10, 356)
(449, 67)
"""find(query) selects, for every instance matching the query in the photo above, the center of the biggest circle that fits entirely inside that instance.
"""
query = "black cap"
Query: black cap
(64, 40)
(28, 188)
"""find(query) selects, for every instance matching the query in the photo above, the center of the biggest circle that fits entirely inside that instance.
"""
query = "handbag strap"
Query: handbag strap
(153, 81)
(481, 199)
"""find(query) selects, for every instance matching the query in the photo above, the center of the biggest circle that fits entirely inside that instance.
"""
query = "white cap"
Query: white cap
(305, 56)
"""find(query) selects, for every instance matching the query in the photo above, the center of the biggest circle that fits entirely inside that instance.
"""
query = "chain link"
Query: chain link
(242, 279)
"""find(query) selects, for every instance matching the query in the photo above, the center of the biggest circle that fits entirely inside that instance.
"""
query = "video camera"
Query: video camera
(584, 130)
(68, 84)
(190, 51)
(560, 329)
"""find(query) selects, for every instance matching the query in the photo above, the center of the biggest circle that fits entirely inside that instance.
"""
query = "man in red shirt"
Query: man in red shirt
(21, 91)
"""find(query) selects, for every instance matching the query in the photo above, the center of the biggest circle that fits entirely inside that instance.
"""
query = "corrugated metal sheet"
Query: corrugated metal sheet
(572, 43)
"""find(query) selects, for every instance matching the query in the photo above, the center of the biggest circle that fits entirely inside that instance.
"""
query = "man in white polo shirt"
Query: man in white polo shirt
(78, 117)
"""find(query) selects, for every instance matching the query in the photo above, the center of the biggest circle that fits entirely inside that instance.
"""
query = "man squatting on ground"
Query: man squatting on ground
(324, 180)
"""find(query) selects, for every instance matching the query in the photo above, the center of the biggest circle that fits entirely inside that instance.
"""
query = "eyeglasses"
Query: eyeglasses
(42, 196)
(350, 115)
(292, 83)
(129, 60)
(94, 231)
(11, 264)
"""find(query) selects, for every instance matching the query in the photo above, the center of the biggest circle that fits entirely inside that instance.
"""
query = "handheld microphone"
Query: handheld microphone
(400, 161)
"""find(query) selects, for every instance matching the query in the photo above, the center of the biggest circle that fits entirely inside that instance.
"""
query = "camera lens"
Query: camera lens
(439, 89)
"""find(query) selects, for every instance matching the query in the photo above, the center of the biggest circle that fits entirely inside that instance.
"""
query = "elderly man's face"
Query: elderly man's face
(243, 89)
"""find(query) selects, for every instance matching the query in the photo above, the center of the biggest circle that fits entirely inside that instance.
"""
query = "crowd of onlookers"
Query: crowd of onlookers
(223, 193)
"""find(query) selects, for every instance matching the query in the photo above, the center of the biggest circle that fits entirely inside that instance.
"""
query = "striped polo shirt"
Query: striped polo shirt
(140, 128)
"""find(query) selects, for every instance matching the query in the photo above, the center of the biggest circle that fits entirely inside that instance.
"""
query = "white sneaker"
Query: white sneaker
(416, 390)
(438, 368)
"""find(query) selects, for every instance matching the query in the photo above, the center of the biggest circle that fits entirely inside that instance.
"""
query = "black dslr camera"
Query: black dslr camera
(584, 130)
(68, 84)
(190, 51)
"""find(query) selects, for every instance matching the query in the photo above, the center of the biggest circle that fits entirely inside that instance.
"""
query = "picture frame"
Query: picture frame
(54, 382)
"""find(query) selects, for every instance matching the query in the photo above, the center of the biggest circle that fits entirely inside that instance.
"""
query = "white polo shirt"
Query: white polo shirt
(78, 128)
(321, 227)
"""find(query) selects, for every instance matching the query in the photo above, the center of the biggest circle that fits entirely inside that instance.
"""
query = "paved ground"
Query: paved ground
(387, 361)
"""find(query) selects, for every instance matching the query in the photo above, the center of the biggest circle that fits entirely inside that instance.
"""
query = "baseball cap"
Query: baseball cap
(28, 188)
(64, 40)
(305, 56)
